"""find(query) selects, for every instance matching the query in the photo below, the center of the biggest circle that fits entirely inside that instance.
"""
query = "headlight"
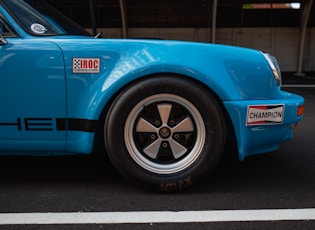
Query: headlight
(274, 67)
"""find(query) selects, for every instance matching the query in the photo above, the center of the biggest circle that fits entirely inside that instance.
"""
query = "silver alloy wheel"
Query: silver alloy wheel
(164, 134)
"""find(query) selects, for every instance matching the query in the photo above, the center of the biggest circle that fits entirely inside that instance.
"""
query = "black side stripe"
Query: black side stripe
(75, 124)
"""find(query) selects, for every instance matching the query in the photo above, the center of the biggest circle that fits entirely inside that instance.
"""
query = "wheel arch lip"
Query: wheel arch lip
(111, 87)
(107, 100)
(109, 92)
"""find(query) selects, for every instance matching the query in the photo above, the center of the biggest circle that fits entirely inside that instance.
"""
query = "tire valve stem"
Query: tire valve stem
(165, 145)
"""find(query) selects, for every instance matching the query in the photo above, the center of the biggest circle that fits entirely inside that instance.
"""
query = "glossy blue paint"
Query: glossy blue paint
(40, 93)
(244, 72)
(32, 86)
(263, 138)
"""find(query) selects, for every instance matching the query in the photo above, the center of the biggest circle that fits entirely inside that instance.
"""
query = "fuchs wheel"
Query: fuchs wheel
(165, 133)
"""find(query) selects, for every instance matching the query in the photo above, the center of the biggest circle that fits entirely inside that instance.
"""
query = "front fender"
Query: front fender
(232, 73)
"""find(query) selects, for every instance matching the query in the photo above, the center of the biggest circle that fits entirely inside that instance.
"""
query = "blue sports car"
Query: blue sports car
(162, 110)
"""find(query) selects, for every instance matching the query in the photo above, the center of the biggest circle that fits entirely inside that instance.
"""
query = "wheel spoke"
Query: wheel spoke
(164, 111)
(164, 134)
(177, 149)
(145, 127)
(184, 126)
(153, 149)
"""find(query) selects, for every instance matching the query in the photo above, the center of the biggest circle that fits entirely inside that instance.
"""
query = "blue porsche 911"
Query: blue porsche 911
(162, 110)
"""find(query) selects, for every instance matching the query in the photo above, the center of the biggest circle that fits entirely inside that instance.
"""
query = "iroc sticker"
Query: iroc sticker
(264, 114)
(86, 65)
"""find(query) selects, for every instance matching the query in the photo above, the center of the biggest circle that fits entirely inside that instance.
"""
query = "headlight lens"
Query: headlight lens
(274, 67)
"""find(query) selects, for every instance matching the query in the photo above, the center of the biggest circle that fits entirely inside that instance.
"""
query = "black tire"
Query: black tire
(164, 133)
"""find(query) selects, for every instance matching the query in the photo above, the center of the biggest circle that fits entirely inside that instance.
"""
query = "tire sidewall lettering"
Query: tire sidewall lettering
(202, 165)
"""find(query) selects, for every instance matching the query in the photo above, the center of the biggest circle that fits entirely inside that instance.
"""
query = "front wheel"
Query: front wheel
(164, 133)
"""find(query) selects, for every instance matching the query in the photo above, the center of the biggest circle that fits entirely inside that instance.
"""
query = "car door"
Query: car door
(32, 89)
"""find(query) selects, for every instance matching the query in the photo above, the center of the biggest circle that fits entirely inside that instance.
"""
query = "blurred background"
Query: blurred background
(283, 28)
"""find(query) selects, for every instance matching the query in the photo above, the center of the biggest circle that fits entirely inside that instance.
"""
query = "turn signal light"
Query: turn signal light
(300, 111)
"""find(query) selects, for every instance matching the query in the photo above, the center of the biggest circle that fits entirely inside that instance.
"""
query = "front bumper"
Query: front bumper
(265, 136)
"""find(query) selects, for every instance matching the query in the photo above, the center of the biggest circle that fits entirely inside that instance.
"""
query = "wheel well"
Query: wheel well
(99, 135)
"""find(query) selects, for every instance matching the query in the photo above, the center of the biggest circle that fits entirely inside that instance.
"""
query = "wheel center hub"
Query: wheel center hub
(165, 132)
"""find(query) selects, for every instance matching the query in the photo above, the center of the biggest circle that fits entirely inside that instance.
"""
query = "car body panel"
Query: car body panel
(52, 107)
(263, 138)
(30, 68)
(123, 61)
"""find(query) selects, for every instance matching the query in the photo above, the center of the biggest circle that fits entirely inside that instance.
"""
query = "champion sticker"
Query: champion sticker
(86, 65)
(264, 114)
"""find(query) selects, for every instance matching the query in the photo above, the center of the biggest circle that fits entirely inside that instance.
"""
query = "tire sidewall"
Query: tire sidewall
(191, 91)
